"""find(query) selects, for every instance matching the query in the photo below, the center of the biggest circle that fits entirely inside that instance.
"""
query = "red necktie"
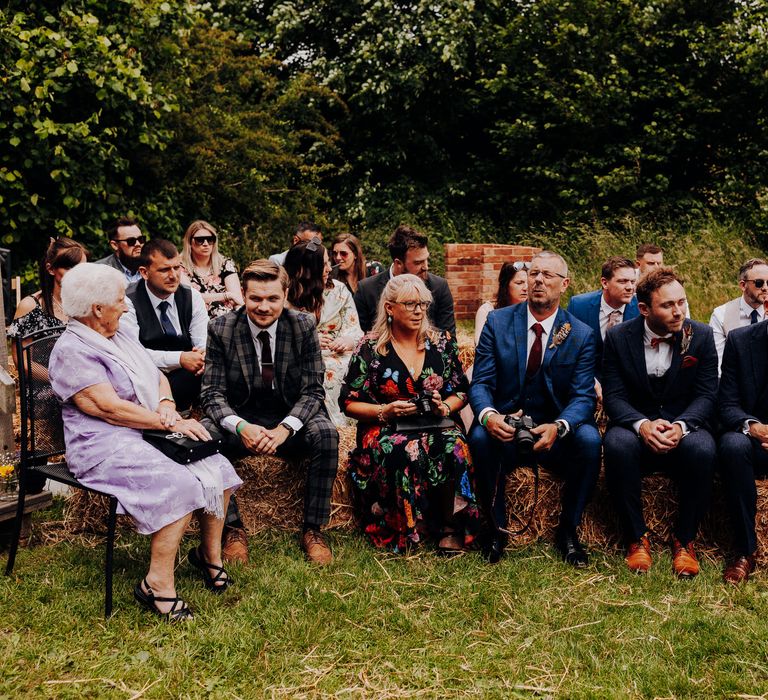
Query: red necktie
(655, 342)
(534, 359)
(267, 368)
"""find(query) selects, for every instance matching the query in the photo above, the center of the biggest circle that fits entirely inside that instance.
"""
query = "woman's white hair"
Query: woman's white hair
(87, 284)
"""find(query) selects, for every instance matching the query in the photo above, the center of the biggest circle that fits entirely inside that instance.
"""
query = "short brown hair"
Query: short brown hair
(654, 280)
(119, 223)
(157, 245)
(614, 263)
(747, 266)
(264, 271)
(404, 238)
(644, 248)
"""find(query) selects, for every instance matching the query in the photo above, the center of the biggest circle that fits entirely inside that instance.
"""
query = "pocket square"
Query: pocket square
(690, 361)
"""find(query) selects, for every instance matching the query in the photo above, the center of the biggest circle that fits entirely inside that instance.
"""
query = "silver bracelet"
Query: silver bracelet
(167, 398)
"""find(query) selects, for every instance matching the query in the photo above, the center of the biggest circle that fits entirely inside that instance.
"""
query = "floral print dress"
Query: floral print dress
(395, 474)
(214, 284)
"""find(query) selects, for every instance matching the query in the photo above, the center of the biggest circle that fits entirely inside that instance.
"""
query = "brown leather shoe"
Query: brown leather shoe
(316, 548)
(639, 556)
(234, 549)
(739, 569)
(684, 560)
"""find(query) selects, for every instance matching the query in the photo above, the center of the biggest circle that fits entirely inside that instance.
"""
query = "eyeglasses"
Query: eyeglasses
(520, 265)
(758, 282)
(546, 274)
(411, 306)
(202, 240)
(131, 241)
(314, 245)
(341, 253)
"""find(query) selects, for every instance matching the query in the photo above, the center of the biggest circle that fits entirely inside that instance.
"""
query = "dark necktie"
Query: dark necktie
(655, 342)
(534, 359)
(267, 368)
(753, 317)
(165, 319)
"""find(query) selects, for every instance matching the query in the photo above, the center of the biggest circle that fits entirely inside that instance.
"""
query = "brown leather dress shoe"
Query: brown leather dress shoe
(234, 548)
(684, 561)
(739, 569)
(316, 548)
(639, 556)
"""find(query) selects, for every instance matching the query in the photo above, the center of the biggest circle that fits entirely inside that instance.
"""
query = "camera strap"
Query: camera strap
(500, 476)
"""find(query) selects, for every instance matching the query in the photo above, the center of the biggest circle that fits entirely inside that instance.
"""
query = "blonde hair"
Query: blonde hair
(217, 259)
(400, 288)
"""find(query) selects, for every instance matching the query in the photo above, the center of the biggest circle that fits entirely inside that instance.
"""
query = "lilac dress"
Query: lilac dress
(150, 487)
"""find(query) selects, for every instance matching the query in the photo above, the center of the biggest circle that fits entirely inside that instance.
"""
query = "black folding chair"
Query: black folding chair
(42, 438)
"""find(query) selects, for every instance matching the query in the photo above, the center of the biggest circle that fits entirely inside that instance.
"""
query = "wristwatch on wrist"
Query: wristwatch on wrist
(562, 429)
(291, 431)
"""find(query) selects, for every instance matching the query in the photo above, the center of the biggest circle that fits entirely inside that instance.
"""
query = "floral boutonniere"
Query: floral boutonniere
(686, 341)
(560, 335)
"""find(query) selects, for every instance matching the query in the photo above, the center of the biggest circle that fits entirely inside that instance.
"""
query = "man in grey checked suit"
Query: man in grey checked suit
(261, 405)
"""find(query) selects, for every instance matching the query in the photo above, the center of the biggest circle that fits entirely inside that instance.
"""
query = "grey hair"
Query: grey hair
(398, 288)
(87, 284)
(551, 254)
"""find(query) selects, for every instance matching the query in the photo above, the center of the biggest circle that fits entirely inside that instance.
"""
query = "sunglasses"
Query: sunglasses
(132, 240)
(202, 240)
(341, 254)
(758, 282)
(520, 265)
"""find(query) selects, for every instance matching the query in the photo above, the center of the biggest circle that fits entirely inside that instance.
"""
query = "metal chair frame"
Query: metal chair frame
(34, 459)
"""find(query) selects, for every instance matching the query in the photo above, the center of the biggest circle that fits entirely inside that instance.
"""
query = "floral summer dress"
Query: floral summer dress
(214, 284)
(394, 473)
(35, 320)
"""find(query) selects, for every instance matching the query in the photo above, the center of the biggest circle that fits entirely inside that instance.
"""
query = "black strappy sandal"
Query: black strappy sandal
(179, 612)
(218, 583)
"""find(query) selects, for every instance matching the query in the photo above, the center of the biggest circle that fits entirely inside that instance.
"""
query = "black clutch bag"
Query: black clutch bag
(181, 448)
(418, 424)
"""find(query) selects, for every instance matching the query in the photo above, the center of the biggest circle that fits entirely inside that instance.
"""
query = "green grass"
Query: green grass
(375, 625)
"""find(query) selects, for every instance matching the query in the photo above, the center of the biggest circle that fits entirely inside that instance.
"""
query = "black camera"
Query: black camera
(423, 403)
(524, 438)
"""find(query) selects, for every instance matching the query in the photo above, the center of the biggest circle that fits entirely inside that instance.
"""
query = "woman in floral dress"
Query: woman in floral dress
(420, 482)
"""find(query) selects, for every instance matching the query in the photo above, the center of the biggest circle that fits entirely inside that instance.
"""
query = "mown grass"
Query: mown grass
(377, 626)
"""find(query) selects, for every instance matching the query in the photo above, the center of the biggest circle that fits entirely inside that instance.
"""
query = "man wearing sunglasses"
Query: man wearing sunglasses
(304, 232)
(409, 252)
(747, 309)
(126, 241)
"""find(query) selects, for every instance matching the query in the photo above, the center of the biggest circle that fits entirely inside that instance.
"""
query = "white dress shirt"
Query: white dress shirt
(198, 326)
(717, 324)
(605, 313)
(230, 423)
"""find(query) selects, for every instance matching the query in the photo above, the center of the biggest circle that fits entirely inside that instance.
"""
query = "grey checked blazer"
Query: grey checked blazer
(232, 369)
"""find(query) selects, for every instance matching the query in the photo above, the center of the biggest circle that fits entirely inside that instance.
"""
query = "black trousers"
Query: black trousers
(576, 458)
(742, 458)
(318, 440)
(185, 387)
(691, 464)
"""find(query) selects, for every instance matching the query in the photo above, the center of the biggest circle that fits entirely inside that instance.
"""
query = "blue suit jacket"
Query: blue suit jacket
(586, 307)
(744, 378)
(498, 376)
(690, 386)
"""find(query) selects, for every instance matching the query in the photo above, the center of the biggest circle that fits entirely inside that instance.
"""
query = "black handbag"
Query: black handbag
(419, 424)
(179, 447)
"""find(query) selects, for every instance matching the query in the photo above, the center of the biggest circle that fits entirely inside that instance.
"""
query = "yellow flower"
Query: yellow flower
(6, 471)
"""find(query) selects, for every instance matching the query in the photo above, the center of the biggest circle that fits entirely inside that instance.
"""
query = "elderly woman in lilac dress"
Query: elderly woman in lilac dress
(110, 390)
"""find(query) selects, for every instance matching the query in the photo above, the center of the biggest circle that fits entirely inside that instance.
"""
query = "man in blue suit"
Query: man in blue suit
(608, 307)
(659, 389)
(538, 360)
(743, 448)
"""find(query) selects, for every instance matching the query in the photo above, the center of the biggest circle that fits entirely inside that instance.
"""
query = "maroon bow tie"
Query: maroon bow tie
(655, 342)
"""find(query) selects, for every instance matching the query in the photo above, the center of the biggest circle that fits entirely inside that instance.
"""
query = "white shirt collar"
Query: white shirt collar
(746, 310)
(156, 300)
(650, 334)
(607, 309)
(547, 323)
(271, 329)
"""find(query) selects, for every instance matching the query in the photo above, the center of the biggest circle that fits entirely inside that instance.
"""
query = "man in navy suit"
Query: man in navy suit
(659, 389)
(607, 307)
(536, 359)
(743, 448)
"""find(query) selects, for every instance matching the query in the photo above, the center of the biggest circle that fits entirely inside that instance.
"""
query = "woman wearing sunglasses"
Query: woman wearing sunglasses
(311, 290)
(349, 264)
(208, 271)
(411, 469)
(512, 289)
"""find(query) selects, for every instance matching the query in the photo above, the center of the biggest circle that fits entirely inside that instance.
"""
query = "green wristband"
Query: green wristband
(240, 427)
(485, 418)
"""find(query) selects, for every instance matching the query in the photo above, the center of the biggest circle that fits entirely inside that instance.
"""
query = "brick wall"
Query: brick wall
(472, 271)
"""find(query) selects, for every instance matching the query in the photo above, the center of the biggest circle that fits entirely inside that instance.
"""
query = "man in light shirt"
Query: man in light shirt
(538, 360)
(745, 310)
(659, 388)
(263, 394)
(126, 240)
(169, 319)
(304, 232)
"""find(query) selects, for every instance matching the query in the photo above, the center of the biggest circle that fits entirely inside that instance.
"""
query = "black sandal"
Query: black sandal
(179, 612)
(218, 583)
